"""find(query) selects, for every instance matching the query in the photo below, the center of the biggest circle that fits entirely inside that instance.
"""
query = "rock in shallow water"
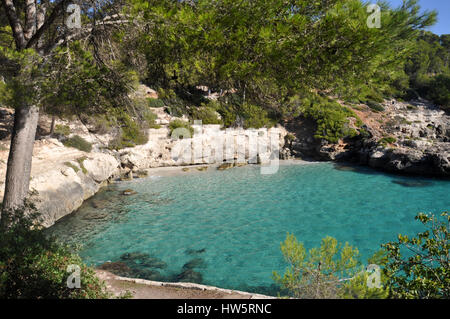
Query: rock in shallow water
(195, 252)
(129, 192)
(412, 183)
(194, 263)
(143, 260)
(191, 276)
(225, 166)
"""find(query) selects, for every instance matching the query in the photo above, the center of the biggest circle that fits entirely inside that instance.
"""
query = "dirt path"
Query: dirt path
(144, 289)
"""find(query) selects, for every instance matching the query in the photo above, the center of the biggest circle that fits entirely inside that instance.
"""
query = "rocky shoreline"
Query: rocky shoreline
(407, 138)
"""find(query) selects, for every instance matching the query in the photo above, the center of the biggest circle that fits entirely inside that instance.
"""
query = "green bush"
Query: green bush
(439, 91)
(331, 118)
(63, 130)
(34, 266)
(375, 106)
(72, 166)
(131, 132)
(419, 267)
(150, 119)
(155, 103)
(175, 124)
(327, 272)
(80, 162)
(385, 141)
(79, 143)
(207, 114)
(255, 116)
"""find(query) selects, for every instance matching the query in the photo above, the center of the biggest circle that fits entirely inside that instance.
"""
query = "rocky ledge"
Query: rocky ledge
(406, 138)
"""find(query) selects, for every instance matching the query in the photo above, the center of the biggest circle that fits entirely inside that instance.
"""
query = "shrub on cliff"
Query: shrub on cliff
(331, 118)
(79, 143)
(439, 91)
(35, 266)
(207, 114)
(176, 124)
(131, 132)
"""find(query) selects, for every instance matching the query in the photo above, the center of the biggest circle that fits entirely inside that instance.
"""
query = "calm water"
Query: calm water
(231, 223)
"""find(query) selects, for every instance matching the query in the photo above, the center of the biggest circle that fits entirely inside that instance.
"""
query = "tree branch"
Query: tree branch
(15, 24)
(30, 19)
(57, 10)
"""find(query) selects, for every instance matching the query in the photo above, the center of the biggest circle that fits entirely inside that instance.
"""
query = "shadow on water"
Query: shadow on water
(355, 168)
(412, 183)
(399, 179)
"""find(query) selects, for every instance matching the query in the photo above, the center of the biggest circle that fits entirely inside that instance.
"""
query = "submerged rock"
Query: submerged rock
(143, 260)
(345, 168)
(225, 166)
(141, 174)
(194, 263)
(412, 183)
(195, 252)
(153, 262)
(202, 169)
(134, 256)
(129, 192)
(191, 276)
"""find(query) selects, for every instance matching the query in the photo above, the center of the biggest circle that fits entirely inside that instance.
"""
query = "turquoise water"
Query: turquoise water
(232, 222)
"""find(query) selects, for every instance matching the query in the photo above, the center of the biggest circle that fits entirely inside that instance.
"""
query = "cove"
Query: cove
(224, 228)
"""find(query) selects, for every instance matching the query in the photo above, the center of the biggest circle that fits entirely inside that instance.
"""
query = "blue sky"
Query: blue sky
(443, 9)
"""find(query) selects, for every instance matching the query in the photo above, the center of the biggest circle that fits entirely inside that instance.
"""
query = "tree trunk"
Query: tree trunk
(19, 161)
(52, 126)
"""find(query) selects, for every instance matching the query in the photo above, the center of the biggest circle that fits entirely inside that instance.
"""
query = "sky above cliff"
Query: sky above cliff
(443, 9)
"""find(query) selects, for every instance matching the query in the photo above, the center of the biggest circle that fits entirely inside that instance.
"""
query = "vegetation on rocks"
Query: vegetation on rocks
(180, 124)
(34, 266)
(78, 142)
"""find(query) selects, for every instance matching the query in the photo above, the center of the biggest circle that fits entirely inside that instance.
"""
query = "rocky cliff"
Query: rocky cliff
(63, 177)
(409, 138)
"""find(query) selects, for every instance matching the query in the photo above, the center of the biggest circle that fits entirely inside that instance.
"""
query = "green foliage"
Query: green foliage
(331, 118)
(179, 124)
(155, 103)
(316, 274)
(74, 167)
(265, 52)
(150, 119)
(80, 162)
(419, 267)
(375, 106)
(439, 91)
(358, 288)
(255, 116)
(34, 266)
(428, 69)
(206, 113)
(131, 132)
(63, 130)
(78, 142)
(385, 141)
